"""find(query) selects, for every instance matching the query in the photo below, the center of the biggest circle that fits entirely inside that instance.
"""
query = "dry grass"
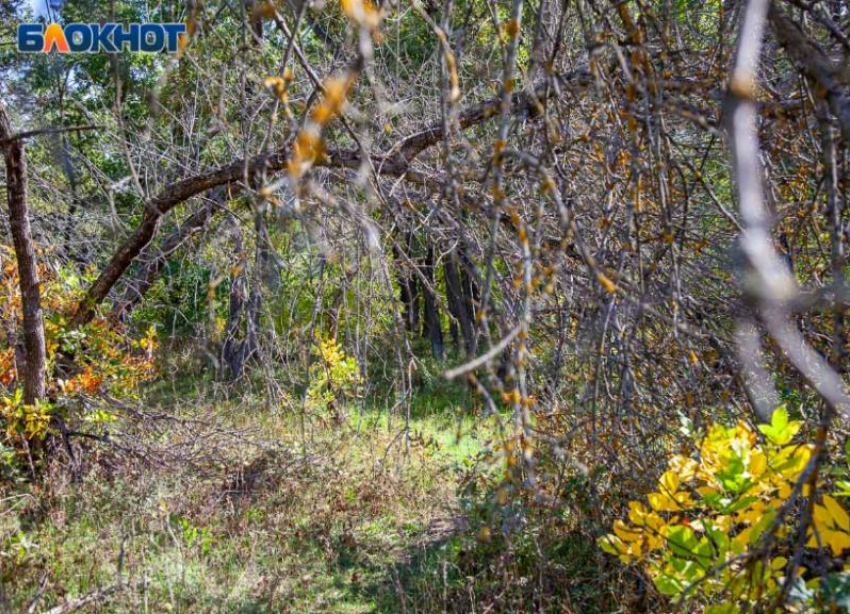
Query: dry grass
(276, 514)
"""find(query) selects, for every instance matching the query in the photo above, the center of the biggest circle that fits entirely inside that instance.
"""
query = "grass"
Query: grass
(316, 534)
(374, 513)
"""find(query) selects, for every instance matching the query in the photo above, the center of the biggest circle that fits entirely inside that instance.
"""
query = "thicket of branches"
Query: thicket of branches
(617, 223)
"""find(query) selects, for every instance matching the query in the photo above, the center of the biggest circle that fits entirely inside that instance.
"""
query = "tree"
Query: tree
(34, 369)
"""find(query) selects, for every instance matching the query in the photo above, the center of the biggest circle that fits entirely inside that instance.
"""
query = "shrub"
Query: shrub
(101, 357)
(334, 377)
(721, 527)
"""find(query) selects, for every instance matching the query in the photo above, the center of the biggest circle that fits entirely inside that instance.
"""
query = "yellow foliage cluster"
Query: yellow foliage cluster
(308, 147)
(20, 419)
(697, 530)
(334, 376)
(362, 13)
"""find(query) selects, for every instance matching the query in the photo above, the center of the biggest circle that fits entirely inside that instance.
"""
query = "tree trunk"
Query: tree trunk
(431, 329)
(459, 295)
(231, 350)
(262, 261)
(452, 302)
(16, 194)
(239, 349)
(408, 284)
(414, 286)
(72, 251)
(469, 294)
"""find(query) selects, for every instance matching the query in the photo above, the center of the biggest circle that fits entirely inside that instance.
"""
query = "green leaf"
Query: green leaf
(780, 430)
(762, 525)
(843, 488)
(682, 541)
(836, 591)
(606, 542)
(668, 585)
(705, 551)
(719, 537)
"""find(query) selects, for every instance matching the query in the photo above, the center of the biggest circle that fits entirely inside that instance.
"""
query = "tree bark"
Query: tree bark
(70, 228)
(460, 301)
(262, 260)
(244, 304)
(431, 315)
(232, 349)
(408, 284)
(33, 326)
(470, 298)
(414, 288)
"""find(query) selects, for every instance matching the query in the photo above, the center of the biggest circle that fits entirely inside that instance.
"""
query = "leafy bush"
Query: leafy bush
(719, 527)
(334, 377)
(100, 357)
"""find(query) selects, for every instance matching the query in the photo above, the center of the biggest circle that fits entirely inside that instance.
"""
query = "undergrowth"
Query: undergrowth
(374, 514)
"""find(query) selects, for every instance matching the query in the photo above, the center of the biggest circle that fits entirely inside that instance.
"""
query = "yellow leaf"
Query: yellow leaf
(659, 502)
(741, 541)
(625, 532)
(792, 460)
(669, 482)
(753, 514)
(664, 502)
(758, 463)
(637, 512)
(606, 283)
(822, 519)
(837, 513)
(838, 541)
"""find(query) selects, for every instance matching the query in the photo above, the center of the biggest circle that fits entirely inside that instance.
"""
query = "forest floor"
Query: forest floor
(251, 509)
(327, 527)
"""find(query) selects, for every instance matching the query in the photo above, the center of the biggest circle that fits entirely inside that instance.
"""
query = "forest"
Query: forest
(424, 306)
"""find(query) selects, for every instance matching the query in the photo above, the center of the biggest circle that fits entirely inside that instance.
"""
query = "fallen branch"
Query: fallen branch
(72, 605)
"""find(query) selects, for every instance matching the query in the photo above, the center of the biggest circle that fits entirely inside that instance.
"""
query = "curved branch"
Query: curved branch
(394, 163)
(155, 262)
